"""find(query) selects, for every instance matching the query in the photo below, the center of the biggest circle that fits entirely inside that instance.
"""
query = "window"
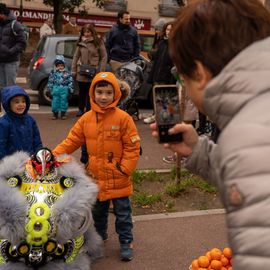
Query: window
(169, 8)
(115, 5)
(66, 48)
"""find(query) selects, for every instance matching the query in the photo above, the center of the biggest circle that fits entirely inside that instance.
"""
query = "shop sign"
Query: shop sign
(33, 15)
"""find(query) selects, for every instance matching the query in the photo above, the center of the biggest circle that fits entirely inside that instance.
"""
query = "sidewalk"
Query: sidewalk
(167, 242)
(162, 241)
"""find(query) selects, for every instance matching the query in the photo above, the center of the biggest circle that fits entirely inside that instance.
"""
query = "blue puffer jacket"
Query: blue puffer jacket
(123, 43)
(11, 45)
(17, 132)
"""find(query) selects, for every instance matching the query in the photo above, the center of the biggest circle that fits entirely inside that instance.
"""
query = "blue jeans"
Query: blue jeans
(123, 222)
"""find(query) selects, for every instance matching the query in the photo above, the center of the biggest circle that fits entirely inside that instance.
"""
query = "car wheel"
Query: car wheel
(44, 94)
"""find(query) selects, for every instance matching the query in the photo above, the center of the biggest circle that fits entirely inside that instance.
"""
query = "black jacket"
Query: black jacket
(161, 65)
(123, 43)
(11, 45)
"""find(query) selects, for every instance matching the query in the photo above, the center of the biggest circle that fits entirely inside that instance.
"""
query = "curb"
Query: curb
(178, 215)
(36, 109)
(154, 170)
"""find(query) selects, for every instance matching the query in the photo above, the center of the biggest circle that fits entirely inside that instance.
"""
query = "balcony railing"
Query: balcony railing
(168, 10)
(115, 5)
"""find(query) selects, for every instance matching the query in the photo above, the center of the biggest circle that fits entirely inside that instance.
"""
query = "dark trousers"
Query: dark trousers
(123, 221)
(84, 98)
(202, 122)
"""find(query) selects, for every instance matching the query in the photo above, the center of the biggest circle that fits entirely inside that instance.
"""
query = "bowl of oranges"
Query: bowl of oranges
(214, 259)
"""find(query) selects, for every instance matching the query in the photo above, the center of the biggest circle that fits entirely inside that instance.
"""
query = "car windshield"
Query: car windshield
(66, 48)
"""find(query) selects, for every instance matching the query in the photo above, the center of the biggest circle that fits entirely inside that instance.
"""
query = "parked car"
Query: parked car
(42, 63)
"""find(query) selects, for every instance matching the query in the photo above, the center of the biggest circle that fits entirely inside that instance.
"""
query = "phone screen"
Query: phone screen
(167, 111)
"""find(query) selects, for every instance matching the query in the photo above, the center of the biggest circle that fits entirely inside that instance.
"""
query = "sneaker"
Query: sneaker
(63, 116)
(126, 252)
(149, 120)
(169, 159)
(55, 116)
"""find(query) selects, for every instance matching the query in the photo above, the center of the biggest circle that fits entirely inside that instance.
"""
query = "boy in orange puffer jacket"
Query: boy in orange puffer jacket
(113, 147)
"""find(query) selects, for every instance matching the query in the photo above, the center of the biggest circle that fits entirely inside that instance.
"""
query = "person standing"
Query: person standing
(90, 51)
(47, 28)
(226, 74)
(60, 84)
(71, 28)
(11, 46)
(161, 64)
(113, 147)
(122, 42)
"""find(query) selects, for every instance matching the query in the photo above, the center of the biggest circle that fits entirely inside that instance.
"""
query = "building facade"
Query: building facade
(144, 13)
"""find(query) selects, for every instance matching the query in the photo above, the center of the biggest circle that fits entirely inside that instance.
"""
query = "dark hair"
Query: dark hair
(215, 31)
(164, 27)
(91, 28)
(3, 9)
(102, 84)
(121, 14)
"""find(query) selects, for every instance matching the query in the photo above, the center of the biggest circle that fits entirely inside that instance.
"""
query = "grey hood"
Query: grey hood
(245, 77)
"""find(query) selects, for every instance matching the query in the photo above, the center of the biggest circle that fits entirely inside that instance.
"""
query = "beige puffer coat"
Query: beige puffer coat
(87, 54)
(238, 101)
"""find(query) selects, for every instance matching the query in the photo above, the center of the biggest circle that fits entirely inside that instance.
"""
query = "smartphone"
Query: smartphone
(167, 112)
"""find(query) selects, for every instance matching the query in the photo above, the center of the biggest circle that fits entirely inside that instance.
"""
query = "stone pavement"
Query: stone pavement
(162, 241)
(167, 242)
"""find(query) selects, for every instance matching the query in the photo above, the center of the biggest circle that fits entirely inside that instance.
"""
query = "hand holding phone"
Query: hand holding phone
(167, 112)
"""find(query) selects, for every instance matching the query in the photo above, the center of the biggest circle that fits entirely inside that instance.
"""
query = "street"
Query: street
(162, 241)
(54, 131)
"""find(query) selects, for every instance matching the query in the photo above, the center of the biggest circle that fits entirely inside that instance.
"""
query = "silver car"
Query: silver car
(42, 61)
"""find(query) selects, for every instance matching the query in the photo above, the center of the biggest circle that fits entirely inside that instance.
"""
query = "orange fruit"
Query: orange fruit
(203, 261)
(215, 264)
(224, 260)
(231, 261)
(208, 255)
(195, 265)
(202, 268)
(230, 268)
(227, 252)
(223, 268)
(216, 254)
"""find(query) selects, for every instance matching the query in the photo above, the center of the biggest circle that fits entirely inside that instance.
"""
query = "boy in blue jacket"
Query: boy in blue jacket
(18, 130)
(60, 85)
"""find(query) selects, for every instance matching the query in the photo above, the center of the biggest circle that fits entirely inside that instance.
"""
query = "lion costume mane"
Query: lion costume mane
(45, 213)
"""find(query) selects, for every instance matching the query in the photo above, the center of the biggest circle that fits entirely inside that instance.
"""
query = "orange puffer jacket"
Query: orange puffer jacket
(112, 141)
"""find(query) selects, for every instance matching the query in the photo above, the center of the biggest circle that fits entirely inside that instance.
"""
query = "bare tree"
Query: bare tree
(59, 6)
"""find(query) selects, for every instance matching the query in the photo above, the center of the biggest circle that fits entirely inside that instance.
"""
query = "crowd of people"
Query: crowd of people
(216, 52)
